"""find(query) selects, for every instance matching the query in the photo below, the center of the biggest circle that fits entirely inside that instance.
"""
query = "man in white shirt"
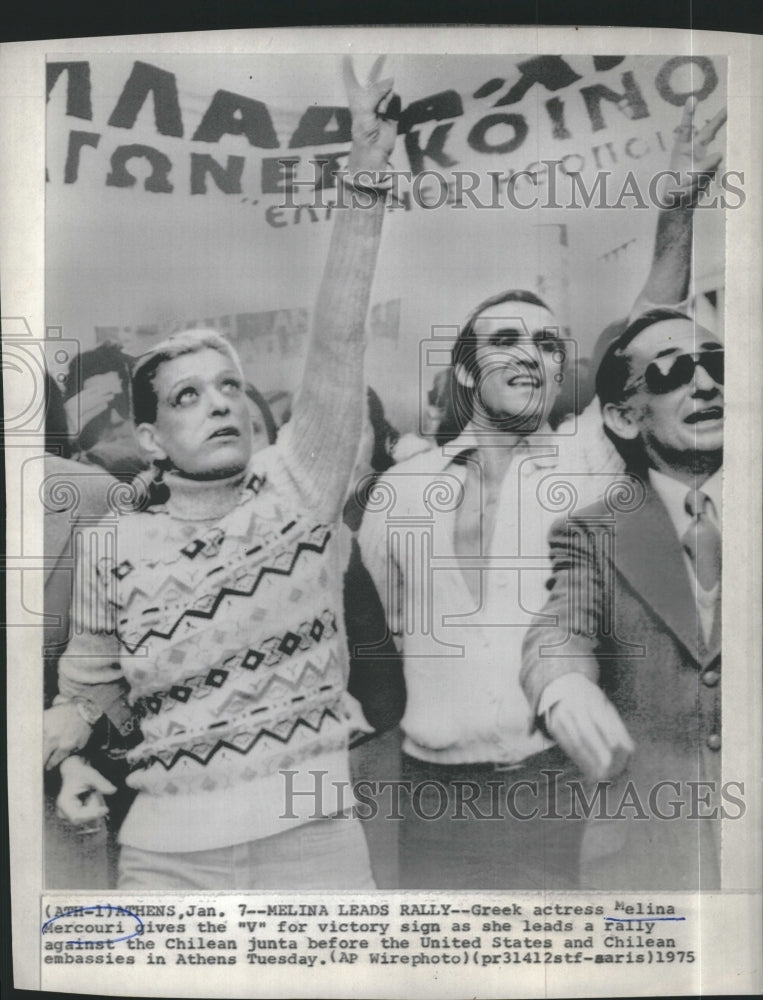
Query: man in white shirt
(456, 542)
(623, 668)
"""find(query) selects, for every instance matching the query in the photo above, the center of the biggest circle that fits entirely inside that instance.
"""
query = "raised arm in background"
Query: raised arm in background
(693, 167)
(321, 440)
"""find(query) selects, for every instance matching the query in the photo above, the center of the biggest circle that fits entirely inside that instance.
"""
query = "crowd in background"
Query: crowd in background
(221, 496)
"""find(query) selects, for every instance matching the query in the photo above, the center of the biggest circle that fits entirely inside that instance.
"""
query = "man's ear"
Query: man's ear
(620, 420)
(463, 377)
(148, 439)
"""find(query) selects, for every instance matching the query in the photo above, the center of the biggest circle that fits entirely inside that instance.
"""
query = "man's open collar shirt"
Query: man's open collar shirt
(462, 646)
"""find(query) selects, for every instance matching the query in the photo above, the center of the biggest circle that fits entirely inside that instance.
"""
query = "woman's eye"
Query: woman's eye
(186, 396)
(231, 386)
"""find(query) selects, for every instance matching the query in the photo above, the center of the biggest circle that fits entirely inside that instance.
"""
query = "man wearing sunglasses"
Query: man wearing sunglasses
(623, 668)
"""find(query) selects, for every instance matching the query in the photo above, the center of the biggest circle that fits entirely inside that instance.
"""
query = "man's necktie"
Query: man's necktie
(702, 541)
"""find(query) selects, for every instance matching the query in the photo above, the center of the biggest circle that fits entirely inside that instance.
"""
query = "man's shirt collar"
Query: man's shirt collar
(472, 437)
(673, 493)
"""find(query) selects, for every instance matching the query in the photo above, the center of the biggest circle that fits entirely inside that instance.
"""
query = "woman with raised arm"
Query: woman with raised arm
(225, 603)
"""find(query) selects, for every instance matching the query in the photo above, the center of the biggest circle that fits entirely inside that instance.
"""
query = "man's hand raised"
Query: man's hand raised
(690, 158)
(692, 167)
(374, 130)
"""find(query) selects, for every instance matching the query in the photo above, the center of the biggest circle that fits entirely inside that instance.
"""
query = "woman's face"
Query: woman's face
(202, 422)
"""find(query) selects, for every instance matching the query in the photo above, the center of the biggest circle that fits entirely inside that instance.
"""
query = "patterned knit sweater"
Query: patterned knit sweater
(225, 609)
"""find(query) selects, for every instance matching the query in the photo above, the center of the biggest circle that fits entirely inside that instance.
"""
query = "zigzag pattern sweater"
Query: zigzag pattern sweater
(225, 607)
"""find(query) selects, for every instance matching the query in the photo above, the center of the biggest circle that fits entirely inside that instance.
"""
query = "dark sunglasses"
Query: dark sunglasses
(669, 373)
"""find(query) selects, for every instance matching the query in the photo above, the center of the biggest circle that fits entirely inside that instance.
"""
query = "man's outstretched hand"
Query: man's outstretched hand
(690, 157)
(373, 132)
(587, 726)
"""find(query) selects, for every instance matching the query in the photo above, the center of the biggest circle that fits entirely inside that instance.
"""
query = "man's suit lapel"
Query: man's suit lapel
(648, 554)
